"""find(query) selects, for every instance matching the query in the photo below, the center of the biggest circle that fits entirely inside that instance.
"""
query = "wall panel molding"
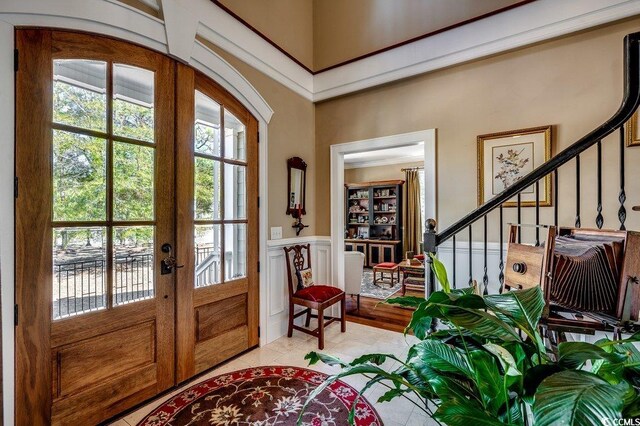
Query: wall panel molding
(276, 285)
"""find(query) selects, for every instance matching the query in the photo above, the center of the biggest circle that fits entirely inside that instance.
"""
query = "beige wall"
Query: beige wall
(291, 133)
(369, 174)
(344, 30)
(288, 23)
(574, 84)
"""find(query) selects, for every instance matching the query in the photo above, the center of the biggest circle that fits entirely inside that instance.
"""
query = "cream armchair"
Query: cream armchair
(353, 267)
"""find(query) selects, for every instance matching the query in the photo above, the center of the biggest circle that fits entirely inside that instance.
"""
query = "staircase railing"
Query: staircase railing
(631, 101)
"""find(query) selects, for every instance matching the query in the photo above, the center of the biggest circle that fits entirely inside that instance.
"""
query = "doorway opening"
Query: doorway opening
(378, 211)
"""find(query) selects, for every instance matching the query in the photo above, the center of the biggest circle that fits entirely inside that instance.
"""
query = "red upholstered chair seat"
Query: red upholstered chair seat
(420, 257)
(386, 265)
(318, 293)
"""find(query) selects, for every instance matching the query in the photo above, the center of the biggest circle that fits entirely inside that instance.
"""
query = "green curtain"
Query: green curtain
(412, 212)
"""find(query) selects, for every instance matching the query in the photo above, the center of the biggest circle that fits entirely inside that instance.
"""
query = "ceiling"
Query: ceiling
(380, 157)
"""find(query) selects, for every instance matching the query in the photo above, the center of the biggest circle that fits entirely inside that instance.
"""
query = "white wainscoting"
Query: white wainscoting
(445, 254)
(275, 290)
(275, 302)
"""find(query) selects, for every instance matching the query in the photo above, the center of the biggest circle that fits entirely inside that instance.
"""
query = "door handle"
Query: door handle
(169, 263)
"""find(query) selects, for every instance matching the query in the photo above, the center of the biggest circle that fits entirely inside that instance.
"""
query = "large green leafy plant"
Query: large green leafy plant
(487, 364)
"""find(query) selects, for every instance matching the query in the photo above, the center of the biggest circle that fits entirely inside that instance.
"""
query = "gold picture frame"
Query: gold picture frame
(513, 154)
(633, 139)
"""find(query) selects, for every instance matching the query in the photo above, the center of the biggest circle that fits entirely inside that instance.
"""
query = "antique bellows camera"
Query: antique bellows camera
(589, 277)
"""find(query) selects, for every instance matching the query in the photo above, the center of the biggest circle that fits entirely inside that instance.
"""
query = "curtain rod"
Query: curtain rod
(412, 168)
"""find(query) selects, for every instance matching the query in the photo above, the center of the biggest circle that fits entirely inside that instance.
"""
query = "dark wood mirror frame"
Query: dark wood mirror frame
(296, 163)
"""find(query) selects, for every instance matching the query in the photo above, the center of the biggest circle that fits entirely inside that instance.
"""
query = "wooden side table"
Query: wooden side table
(412, 276)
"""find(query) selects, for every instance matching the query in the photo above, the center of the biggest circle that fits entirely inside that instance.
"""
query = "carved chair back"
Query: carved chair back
(297, 257)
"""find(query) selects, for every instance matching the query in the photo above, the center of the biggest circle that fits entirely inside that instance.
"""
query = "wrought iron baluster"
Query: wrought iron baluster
(537, 213)
(470, 256)
(485, 277)
(501, 266)
(454, 261)
(519, 217)
(622, 197)
(599, 217)
(577, 222)
(556, 190)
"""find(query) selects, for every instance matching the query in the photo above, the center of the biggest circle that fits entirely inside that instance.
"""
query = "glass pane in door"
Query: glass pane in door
(207, 189)
(208, 255)
(235, 144)
(235, 251)
(133, 177)
(80, 94)
(79, 177)
(133, 97)
(132, 263)
(79, 270)
(235, 190)
(207, 126)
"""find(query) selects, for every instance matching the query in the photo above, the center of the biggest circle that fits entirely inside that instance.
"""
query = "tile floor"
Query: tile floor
(357, 340)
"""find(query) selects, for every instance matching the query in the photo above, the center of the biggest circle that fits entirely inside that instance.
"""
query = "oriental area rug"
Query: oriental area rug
(263, 396)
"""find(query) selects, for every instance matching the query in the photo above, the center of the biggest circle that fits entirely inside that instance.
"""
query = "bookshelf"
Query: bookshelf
(374, 220)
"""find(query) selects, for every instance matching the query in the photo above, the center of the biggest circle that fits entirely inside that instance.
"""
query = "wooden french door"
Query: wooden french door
(100, 200)
(217, 225)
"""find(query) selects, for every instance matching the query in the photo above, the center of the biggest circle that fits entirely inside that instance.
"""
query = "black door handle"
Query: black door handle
(169, 263)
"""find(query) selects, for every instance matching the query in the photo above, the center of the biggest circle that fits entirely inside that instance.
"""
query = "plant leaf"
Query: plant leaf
(523, 308)
(488, 380)
(507, 361)
(480, 322)
(314, 357)
(411, 301)
(455, 414)
(421, 320)
(443, 357)
(577, 398)
(574, 354)
(392, 393)
(440, 272)
(379, 374)
(535, 375)
(376, 359)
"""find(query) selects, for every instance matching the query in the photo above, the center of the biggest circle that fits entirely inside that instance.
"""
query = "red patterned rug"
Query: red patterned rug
(263, 396)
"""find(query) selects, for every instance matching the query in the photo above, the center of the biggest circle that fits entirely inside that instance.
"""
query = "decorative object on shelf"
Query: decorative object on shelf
(296, 187)
(633, 139)
(392, 220)
(505, 157)
(363, 232)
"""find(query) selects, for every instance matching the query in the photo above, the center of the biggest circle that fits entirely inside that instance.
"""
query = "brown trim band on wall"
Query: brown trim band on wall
(375, 52)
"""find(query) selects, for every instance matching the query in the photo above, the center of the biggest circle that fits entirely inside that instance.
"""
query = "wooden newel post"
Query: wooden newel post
(429, 241)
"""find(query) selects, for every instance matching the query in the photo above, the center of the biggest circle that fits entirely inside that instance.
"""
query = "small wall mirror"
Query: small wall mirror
(297, 170)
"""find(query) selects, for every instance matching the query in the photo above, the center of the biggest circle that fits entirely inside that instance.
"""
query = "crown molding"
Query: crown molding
(530, 23)
(385, 162)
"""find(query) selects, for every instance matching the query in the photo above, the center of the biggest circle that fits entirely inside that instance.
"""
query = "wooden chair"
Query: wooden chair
(317, 297)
